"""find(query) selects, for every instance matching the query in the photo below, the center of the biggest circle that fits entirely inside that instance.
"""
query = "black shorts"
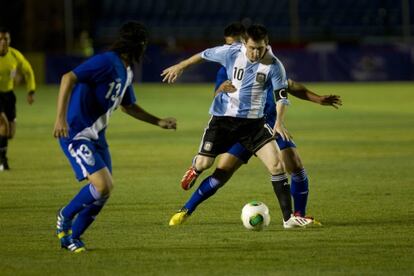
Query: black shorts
(223, 132)
(8, 105)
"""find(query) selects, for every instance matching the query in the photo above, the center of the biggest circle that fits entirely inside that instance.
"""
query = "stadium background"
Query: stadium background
(319, 40)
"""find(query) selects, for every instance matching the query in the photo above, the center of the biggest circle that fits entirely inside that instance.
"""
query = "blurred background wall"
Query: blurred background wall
(317, 40)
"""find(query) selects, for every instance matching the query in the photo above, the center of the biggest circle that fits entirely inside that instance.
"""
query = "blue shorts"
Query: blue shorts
(86, 157)
(244, 155)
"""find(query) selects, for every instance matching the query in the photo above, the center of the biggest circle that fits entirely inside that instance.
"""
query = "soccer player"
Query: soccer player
(87, 97)
(234, 158)
(11, 61)
(238, 116)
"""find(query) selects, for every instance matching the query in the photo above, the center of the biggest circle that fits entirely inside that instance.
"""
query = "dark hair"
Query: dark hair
(257, 32)
(132, 41)
(234, 29)
(4, 30)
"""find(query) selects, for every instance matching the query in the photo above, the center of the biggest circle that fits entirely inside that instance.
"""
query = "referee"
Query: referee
(11, 61)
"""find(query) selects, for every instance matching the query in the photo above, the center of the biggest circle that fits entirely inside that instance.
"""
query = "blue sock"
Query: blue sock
(207, 188)
(86, 196)
(299, 190)
(86, 217)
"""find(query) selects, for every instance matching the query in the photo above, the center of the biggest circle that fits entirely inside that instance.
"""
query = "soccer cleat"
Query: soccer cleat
(179, 218)
(311, 220)
(76, 246)
(297, 221)
(189, 178)
(63, 229)
(4, 164)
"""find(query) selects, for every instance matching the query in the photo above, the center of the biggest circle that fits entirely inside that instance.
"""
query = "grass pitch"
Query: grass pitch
(359, 160)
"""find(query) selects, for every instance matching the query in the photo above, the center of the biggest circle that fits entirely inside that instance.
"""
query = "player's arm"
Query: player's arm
(139, 113)
(172, 73)
(216, 54)
(281, 99)
(300, 91)
(225, 87)
(66, 85)
(28, 74)
(223, 84)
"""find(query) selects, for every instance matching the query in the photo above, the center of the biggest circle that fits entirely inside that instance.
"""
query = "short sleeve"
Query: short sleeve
(26, 70)
(95, 69)
(216, 54)
(129, 96)
(278, 75)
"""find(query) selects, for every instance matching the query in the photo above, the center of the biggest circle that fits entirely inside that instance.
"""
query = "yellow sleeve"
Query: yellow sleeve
(26, 70)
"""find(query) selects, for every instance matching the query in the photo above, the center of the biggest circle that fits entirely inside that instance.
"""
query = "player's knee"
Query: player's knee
(105, 191)
(4, 125)
(277, 168)
(203, 163)
(104, 188)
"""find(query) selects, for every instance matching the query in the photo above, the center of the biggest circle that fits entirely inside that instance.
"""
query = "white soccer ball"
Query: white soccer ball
(255, 216)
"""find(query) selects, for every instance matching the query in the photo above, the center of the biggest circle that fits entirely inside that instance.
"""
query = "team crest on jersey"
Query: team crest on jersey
(260, 77)
(207, 146)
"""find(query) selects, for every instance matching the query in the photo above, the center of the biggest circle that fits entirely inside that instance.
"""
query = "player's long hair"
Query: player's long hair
(131, 42)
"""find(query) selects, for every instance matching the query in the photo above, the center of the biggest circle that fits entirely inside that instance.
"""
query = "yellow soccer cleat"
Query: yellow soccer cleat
(316, 222)
(179, 218)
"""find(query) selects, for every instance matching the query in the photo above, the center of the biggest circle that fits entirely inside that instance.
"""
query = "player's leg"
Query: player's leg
(7, 118)
(198, 196)
(270, 156)
(214, 142)
(299, 179)
(227, 165)
(12, 129)
(96, 192)
(88, 215)
(211, 145)
(87, 163)
(4, 131)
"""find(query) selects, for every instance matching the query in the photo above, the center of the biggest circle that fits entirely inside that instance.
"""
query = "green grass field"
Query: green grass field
(359, 160)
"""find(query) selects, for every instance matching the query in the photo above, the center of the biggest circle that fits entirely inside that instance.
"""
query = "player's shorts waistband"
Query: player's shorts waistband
(240, 119)
(5, 92)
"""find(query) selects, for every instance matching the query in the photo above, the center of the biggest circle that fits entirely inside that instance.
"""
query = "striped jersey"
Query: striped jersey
(103, 84)
(269, 108)
(251, 79)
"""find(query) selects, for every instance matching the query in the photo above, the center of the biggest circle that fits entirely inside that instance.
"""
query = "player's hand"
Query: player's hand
(30, 97)
(332, 100)
(172, 73)
(226, 87)
(61, 129)
(282, 131)
(168, 123)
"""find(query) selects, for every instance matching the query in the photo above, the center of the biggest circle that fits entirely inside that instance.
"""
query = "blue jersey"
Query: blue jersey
(103, 84)
(269, 108)
(251, 79)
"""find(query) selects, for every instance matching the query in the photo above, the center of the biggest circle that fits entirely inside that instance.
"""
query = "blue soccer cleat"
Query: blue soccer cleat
(63, 229)
(76, 246)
